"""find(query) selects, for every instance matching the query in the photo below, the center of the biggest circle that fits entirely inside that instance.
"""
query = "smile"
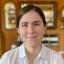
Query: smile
(31, 37)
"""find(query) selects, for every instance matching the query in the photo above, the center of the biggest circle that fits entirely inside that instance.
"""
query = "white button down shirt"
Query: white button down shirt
(18, 56)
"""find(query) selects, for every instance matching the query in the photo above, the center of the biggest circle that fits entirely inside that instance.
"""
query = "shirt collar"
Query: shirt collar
(42, 54)
(22, 52)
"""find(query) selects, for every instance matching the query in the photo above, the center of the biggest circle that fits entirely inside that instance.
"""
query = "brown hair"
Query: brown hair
(28, 8)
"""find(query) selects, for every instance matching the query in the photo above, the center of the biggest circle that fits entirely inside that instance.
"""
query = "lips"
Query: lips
(31, 36)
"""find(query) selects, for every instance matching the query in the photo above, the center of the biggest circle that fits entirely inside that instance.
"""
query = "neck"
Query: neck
(33, 50)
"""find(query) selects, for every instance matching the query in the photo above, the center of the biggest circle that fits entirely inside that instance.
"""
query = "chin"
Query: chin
(33, 43)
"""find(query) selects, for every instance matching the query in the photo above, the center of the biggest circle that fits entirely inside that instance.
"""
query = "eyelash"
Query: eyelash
(24, 25)
(35, 24)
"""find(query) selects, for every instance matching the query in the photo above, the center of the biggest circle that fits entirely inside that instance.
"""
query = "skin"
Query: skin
(31, 30)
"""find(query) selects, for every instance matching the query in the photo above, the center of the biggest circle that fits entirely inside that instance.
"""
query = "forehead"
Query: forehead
(30, 16)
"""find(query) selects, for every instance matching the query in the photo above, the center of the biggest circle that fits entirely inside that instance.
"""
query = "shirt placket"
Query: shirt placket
(23, 61)
(40, 61)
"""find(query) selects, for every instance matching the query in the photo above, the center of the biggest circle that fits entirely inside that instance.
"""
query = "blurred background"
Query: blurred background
(54, 15)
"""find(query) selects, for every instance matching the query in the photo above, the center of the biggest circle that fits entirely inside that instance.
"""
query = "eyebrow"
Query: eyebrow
(28, 22)
(36, 21)
(24, 22)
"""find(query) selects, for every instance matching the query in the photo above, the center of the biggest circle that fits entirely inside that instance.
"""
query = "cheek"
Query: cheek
(41, 33)
(22, 33)
(40, 30)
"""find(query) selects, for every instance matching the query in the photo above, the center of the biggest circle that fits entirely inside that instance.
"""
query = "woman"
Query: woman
(31, 27)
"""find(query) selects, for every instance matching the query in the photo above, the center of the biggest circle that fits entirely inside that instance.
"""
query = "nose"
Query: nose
(31, 29)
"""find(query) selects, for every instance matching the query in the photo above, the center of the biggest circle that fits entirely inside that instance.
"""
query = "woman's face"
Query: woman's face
(31, 28)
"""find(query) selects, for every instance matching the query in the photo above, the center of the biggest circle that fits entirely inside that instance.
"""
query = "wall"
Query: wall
(61, 31)
(8, 36)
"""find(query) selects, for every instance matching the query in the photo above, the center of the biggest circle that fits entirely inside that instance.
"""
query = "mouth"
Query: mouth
(31, 37)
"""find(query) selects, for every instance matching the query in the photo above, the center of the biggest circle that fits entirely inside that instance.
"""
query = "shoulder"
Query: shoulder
(11, 52)
(54, 56)
(10, 55)
(50, 51)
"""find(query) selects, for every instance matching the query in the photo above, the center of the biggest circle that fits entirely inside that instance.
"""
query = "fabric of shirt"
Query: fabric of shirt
(18, 56)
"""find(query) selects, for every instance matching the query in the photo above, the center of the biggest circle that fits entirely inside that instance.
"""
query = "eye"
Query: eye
(24, 25)
(36, 24)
